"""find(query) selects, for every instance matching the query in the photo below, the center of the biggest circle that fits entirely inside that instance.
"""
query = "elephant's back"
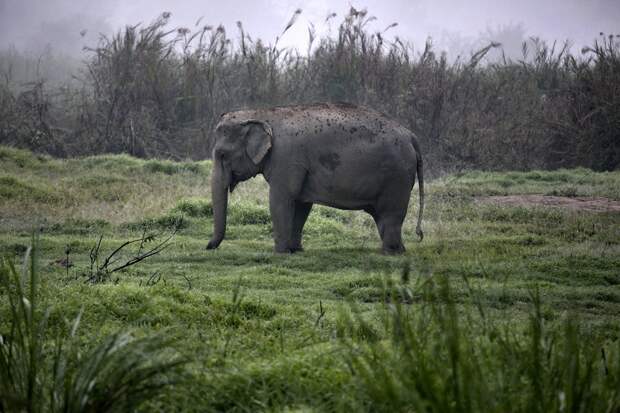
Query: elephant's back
(344, 123)
(331, 136)
(351, 154)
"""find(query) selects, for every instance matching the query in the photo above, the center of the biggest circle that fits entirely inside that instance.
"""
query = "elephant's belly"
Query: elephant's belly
(354, 195)
(354, 205)
(357, 178)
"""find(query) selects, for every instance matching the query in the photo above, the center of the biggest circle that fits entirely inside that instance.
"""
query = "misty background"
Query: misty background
(455, 26)
(485, 84)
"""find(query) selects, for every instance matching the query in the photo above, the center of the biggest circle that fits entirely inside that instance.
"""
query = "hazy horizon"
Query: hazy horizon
(454, 26)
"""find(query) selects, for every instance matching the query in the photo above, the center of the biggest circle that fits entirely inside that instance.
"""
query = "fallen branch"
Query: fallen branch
(101, 273)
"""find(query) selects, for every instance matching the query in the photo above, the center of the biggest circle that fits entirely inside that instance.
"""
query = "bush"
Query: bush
(162, 223)
(154, 92)
(246, 213)
(194, 208)
(443, 358)
(42, 371)
(171, 168)
(15, 189)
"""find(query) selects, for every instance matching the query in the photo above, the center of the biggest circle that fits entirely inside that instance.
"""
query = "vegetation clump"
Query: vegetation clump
(548, 108)
(43, 370)
(195, 208)
(443, 358)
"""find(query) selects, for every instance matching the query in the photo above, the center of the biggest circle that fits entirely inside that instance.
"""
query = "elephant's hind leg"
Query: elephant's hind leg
(389, 215)
(390, 231)
(302, 210)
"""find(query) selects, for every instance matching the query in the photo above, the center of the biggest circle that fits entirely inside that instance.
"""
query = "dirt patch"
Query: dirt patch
(590, 204)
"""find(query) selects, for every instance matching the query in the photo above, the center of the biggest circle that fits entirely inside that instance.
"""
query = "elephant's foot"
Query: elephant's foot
(393, 250)
(295, 244)
(288, 249)
(390, 228)
(283, 249)
(213, 244)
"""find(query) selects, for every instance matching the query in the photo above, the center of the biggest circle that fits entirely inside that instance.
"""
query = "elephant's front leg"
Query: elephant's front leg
(302, 209)
(282, 208)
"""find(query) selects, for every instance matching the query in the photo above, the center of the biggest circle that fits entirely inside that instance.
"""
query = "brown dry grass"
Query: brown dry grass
(589, 204)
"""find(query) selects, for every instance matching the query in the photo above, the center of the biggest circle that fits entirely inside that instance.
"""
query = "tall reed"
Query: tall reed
(447, 357)
(153, 91)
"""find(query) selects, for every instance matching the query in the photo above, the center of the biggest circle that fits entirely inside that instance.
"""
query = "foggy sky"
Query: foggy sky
(31, 24)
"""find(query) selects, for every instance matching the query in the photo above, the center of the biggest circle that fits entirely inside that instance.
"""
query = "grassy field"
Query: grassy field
(498, 309)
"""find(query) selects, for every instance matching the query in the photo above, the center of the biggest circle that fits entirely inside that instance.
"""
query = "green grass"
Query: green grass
(298, 332)
(571, 183)
(43, 367)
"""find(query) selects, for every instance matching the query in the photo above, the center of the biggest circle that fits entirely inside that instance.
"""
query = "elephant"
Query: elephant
(336, 154)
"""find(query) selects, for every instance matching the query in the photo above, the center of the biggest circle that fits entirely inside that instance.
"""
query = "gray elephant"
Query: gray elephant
(339, 155)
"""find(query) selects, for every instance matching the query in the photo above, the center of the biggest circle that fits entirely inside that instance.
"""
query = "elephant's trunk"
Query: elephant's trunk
(220, 182)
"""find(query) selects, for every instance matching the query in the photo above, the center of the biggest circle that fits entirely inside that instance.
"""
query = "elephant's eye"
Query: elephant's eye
(218, 154)
(225, 156)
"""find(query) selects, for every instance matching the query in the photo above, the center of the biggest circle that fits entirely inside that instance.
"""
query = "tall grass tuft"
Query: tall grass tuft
(45, 371)
(442, 357)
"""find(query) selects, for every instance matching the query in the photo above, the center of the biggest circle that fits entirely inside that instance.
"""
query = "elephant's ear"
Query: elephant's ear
(258, 136)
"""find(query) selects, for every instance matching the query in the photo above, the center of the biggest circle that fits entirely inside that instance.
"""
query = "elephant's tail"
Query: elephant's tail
(416, 146)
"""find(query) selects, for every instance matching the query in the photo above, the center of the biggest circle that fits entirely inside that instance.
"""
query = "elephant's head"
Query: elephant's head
(239, 153)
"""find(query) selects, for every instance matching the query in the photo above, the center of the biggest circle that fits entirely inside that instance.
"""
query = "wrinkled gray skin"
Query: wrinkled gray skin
(339, 155)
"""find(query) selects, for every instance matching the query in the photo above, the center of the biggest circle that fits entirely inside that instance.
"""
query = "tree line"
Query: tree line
(153, 91)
